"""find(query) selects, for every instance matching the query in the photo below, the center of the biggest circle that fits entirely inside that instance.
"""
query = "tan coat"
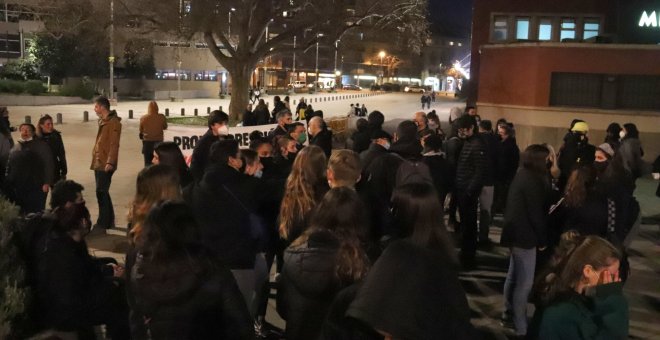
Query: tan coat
(106, 148)
(152, 126)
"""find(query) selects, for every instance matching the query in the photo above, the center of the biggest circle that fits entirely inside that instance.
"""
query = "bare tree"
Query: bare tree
(235, 30)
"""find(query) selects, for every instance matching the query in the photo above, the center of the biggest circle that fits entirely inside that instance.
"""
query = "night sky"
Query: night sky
(451, 17)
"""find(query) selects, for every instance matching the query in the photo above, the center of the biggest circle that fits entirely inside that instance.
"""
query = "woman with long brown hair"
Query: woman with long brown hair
(580, 295)
(327, 257)
(305, 187)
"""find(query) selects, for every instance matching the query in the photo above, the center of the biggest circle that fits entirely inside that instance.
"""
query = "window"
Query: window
(451, 43)
(567, 29)
(522, 28)
(500, 28)
(545, 29)
(459, 44)
(591, 28)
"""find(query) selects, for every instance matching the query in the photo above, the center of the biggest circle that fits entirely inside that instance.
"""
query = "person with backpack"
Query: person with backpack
(470, 178)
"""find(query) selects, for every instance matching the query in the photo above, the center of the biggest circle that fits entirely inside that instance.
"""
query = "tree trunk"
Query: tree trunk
(240, 82)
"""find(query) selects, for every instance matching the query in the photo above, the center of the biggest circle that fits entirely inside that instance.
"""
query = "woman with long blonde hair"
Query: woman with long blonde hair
(305, 187)
(154, 184)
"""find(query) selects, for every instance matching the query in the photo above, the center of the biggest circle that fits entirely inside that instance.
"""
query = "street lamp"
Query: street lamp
(316, 69)
(382, 55)
(336, 72)
(229, 23)
(111, 58)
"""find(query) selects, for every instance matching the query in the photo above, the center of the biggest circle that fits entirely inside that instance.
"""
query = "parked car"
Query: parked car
(352, 87)
(414, 88)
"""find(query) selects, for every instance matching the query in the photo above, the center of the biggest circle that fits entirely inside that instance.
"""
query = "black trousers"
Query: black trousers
(467, 209)
(148, 151)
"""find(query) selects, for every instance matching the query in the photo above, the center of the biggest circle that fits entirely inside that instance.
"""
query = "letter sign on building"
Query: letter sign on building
(648, 20)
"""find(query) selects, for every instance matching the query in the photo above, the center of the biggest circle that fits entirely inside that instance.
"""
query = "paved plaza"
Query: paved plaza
(483, 285)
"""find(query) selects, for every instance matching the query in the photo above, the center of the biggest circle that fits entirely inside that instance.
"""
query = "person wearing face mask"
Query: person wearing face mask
(226, 204)
(30, 171)
(53, 138)
(631, 151)
(576, 151)
(298, 133)
(283, 121)
(218, 122)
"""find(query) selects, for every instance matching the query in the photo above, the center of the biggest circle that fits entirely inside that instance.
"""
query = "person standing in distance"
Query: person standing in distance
(151, 131)
(105, 156)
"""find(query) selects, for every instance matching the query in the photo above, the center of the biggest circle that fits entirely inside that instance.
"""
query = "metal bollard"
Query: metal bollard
(85, 116)
(167, 112)
(220, 107)
(183, 111)
(58, 118)
(28, 120)
(294, 102)
(208, 110)
(130, 114)
(196, 113)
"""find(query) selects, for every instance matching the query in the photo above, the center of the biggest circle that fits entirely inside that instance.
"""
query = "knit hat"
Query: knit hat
(607, 148)
(580, 127)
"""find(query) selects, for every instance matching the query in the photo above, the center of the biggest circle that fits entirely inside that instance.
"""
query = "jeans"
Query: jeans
(467, 210)
(485, 205)
(106, 217)
(518, 285)
(148, 151)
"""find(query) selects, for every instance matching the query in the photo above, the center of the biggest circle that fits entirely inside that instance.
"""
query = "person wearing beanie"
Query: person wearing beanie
(575, 152)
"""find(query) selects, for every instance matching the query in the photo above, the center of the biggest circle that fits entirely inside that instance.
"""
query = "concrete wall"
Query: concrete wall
(24, 100)
(521, 74)
(549, 125)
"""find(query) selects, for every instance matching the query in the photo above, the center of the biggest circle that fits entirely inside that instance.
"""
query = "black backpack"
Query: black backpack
(412, 172)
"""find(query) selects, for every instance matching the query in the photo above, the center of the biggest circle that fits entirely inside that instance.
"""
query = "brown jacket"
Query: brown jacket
(152, 126)
(106, 149)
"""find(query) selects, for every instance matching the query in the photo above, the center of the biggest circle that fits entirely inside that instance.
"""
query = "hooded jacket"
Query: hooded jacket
(106, 148)
(54, 141)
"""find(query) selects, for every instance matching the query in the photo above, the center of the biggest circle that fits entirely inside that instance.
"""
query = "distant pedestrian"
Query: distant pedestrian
(249, 118)
(105, 156)
(53, 138)
(151, 131)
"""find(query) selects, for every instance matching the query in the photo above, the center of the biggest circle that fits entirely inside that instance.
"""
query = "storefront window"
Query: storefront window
(591, 28)
(500, 28)
(545, 29)
(522, 28)
(567, 29)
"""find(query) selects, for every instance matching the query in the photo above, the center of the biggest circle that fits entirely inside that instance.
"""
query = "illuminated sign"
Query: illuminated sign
(649, 20)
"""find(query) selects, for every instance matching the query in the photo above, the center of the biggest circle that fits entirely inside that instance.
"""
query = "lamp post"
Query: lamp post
(316, 69)
(336, 72)
(111, 58)
(229, 23)
(294, 62)
(382, 55)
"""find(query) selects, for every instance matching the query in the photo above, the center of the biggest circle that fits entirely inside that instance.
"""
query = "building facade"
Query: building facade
(542, 64)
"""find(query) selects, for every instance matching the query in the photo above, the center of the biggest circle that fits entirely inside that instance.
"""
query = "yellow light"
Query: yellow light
(381, 54)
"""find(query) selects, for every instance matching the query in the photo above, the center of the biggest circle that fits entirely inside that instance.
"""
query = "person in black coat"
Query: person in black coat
(320, 135)
(525, 231)
(361, 138)
(576, 151)
(438, 165)
(507, 164)
(406, 142)
(53, 138)
(452, 148)
(249, 118)
(325, 259)
(283, 120)
(413, 291)
(470, 177)
(488, 191)
(585, 204)
(278, 106)
(218, 122)
(177, 289)
(73, 291)
(261, 114)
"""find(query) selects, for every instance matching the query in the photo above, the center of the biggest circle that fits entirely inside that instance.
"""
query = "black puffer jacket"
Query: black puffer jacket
(507, 161)
(526, 215)
(308, 285)
(471, 167)
(323, 140)
(194, 297)
(54, 140)
(492, 151)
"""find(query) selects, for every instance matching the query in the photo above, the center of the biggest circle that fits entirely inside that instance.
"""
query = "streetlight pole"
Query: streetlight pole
(266, 62)
(294, 61)
(316, 81)
(111, 58)
(382, 55)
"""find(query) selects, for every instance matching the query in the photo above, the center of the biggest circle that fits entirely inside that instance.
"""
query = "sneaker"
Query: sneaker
(507, 321)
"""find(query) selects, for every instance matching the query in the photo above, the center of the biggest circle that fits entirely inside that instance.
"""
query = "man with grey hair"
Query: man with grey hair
(320, 135)
(284, 118)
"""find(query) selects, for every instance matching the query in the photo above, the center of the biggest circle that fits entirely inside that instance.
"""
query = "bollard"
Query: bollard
(208, 110)
(85, 116)
(167, 112)
(183, 111)
(58, 118)
(130, 114)
(294, 102)
(28, 120)
(196, 112)
(220, 107)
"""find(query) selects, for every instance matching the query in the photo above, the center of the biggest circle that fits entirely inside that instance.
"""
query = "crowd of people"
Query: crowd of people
(357, 236)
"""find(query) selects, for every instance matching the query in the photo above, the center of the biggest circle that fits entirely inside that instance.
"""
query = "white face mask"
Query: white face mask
(223, 130)
(622, 134)
(387, 145)
(258, 173)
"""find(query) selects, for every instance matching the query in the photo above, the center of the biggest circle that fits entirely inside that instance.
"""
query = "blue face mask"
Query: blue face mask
(258, 173)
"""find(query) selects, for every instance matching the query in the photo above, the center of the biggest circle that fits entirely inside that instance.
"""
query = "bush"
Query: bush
(34, 87)
(84, 91)
(12, 86)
